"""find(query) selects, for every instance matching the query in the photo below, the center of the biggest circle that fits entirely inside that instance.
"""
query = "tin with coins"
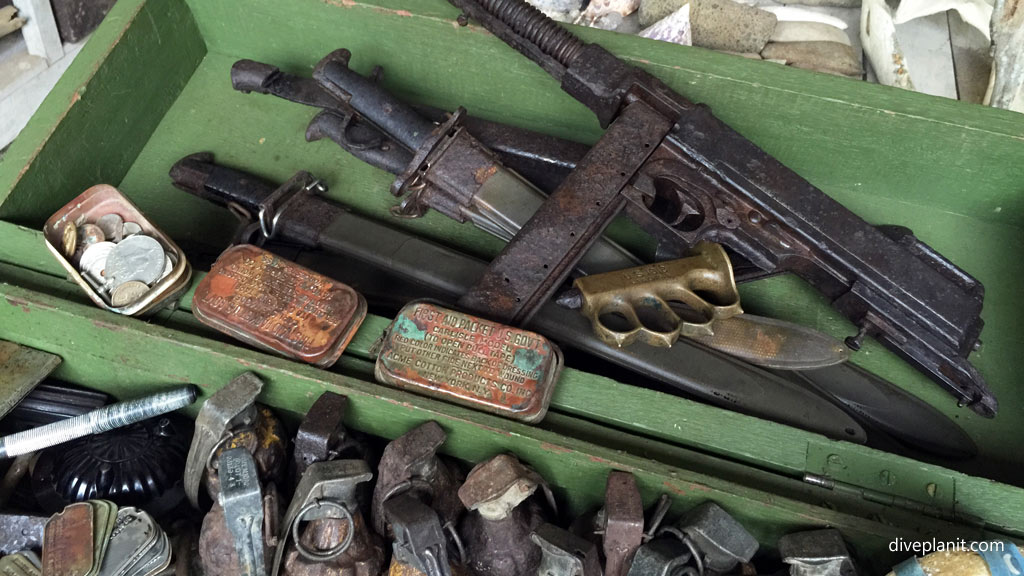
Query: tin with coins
(121, 260)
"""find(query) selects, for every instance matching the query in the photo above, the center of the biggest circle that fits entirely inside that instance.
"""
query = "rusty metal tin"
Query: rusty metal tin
(90, 206)
(277, 305)
(468, 360)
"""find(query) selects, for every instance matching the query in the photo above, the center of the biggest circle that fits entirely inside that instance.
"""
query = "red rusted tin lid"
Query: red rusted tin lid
(275, 304)
(468, 360)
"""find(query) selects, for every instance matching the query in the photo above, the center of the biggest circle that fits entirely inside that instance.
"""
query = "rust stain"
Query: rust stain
(107, 326)
(404, 13)
(673, 488)
(600, 460)
(14, 301)
(555, 448)
(484, 173)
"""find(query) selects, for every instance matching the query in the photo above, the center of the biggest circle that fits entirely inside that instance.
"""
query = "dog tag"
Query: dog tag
(68, 542)
(133, 535)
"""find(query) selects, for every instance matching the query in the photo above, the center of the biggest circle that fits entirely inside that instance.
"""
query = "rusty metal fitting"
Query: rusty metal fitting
(497, 530)
(623, 522)
(718, 541)
(410, 464)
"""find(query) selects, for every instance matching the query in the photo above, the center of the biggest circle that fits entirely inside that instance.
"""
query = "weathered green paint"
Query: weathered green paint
(828, 129)
(152, 85)
(92, 125)
(102, 350)
(584, 397)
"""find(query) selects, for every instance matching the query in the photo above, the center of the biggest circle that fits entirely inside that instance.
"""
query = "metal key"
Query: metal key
(231, 406)
(242, 500)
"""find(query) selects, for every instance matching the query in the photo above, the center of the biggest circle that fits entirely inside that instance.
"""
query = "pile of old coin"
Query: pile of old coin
(125, 542)
(116, 258)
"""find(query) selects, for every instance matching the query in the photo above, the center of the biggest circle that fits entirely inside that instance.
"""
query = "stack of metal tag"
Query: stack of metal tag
(24, 563)
(116, 258)
(95, 538)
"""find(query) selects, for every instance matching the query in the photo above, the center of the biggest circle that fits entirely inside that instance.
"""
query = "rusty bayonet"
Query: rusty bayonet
(312, 221)
(685, 176)
(380, 256)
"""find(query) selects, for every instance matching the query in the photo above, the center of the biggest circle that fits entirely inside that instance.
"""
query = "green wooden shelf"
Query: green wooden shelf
(152, 85)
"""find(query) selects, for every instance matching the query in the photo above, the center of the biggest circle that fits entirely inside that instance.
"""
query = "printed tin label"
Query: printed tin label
(470, 361)
(273, 303)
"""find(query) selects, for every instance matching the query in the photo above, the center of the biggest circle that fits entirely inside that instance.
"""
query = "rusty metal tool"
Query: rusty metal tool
(565, 554)
(496, 530)
(446, 168)
(21, 370)
(410, 465)
(419, 536)
(313, 222)
(232, 406)
(322, 436)
(623, 522)
(390, 257)
(242, 500)
(325, 501)
(686, 176)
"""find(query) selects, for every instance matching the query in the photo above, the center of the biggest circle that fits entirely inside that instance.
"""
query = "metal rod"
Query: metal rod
(96, 422)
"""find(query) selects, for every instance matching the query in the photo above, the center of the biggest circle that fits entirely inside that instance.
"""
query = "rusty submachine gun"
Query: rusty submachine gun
(685, 176)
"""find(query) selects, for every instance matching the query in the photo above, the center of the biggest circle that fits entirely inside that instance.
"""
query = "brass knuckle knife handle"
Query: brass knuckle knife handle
(663, 301)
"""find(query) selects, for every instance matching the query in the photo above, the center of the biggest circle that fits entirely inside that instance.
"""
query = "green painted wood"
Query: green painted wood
(265, 135)
(92, 125)
(737, 442)
(950, 171)
(102, 351)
